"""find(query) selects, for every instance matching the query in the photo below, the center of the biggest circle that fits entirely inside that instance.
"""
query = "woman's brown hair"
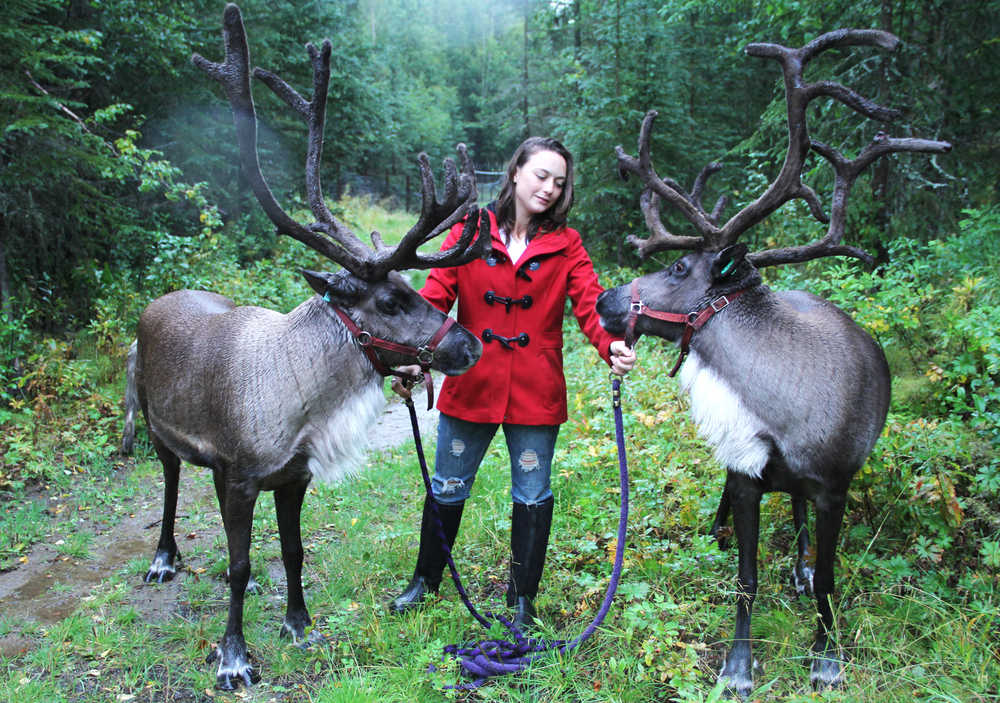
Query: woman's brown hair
(553, 218)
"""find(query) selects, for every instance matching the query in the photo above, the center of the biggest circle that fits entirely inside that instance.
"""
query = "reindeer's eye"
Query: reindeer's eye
(679, 268)
(387, 305)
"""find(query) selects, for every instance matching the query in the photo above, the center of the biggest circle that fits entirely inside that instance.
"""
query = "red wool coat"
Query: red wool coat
(522, 384)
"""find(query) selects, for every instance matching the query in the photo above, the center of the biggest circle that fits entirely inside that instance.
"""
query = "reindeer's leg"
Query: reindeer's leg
(162, 568)
(288, 505)
(219, 479)
(234, 665)
(828, 664)
(718, 529)
(802, 575)
(744, 497)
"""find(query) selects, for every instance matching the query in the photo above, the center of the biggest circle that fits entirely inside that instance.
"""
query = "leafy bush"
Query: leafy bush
(15, 340)
(934, 308)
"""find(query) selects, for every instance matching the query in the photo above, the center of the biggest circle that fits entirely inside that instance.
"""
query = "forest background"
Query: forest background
(119, 181)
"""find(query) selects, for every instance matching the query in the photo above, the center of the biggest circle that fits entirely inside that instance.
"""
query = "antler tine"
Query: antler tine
(670, 191)
(788, 184)
(845, 174)
(699, 182)
(699, 186)
(798, 96)
(720, 205)
(468, 247)
(437, 216)
(459, 186)
(417, 234)
(660, 238)
(234, 76)
(313, 114)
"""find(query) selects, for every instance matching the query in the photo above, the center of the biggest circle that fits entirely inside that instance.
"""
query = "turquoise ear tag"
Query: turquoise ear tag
(326, 296)
(725, 269)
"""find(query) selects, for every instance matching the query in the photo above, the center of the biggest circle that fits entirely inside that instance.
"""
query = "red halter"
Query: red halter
(423, 355)
(692, 321)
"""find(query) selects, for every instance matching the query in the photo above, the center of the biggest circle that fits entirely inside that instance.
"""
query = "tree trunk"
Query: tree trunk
(5, 305)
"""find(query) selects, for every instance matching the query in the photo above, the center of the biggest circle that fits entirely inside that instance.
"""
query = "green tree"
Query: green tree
(73, 184)
(601, 66)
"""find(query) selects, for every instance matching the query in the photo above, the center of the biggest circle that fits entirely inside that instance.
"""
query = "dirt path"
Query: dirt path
(49, 586)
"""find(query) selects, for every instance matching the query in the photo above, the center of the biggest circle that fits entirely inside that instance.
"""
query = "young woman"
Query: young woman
(514, 300)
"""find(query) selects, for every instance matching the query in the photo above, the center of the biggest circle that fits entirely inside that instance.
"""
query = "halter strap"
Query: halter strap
(692, 321)
(423, 355)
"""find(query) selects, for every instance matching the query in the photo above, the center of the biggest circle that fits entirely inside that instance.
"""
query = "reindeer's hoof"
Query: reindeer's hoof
(162, 569)
(314, 637)
(802, 579)
(294, 627)
(739, 687)
(230, 681)
(737, 673)
(827, 671)
(721, 536)
(234, 669)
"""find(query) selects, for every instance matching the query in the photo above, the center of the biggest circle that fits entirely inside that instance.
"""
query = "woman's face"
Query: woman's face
(538, 183)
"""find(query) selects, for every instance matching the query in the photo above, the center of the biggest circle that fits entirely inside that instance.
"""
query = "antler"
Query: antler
(787, 185)
(327, 235)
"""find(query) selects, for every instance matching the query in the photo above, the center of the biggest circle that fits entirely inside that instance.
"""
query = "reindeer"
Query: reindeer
(790, 392)
(269, 401)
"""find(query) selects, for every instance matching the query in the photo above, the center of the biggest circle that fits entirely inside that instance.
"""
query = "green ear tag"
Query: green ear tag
(725, 269)
(326, 296)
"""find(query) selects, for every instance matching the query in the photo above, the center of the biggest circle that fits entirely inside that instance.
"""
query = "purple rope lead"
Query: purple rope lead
(497, 657)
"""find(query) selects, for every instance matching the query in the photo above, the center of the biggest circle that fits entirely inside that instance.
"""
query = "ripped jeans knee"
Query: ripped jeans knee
(528, 460)
(448, 488)
(461, 446)
(531, 450)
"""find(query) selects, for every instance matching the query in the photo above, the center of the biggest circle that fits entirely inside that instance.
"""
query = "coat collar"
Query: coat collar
(547, 243)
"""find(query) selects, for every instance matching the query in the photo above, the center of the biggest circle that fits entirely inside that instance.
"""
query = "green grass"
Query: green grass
(663, 640)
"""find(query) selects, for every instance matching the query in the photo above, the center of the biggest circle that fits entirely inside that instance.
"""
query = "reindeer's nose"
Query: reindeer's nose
(604, 301)
(459, 351)
(473, 351)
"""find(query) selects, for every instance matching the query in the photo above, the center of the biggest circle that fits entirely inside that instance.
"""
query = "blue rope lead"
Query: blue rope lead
(489, 658)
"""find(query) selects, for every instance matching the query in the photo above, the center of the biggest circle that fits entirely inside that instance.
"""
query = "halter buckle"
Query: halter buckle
(720, 303)
(425, 356)
(364, 338)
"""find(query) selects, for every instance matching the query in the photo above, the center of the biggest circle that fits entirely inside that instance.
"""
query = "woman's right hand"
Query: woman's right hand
(622, 358)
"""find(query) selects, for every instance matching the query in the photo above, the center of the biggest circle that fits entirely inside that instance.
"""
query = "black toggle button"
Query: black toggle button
(490, 297)
(508, 342)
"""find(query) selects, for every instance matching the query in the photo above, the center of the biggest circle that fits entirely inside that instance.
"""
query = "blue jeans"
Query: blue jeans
(461, 446)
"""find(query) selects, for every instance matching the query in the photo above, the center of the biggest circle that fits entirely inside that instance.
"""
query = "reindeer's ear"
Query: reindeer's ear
(340, 288)
(728, 261)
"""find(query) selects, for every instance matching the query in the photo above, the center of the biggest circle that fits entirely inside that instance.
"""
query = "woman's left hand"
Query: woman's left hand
(622, 358)
(403, 389)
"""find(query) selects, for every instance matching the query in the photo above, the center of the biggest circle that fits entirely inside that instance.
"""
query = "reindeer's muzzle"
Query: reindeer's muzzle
(612, 310)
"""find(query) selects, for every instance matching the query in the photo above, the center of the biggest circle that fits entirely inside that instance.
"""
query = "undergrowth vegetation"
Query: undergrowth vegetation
(917, 595)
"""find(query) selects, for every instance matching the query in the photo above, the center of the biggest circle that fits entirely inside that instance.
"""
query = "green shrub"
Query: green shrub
(934, 309)
(15, 341)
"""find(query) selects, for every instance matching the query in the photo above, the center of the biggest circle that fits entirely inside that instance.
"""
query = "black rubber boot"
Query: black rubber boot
(529, 538)
(431, 558)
